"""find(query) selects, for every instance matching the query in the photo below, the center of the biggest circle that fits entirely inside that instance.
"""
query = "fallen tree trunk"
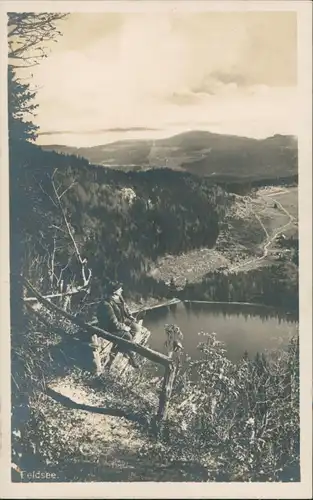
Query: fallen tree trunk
(146, 352)
(55, 295)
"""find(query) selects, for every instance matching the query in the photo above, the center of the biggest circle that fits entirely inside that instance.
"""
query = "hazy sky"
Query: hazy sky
(222, 71)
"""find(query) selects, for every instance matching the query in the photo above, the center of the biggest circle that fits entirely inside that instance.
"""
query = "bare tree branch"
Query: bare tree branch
(29, 31)
(73, 291)
(69, 187)
(82, 262)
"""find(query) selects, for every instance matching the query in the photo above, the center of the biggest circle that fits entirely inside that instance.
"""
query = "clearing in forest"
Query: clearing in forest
(247, 237)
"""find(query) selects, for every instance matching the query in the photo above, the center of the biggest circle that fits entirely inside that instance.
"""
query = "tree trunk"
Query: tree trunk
(165, 395)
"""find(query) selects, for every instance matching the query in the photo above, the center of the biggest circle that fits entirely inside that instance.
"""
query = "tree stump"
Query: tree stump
(96, 346)
(165, 396)
(174, 346)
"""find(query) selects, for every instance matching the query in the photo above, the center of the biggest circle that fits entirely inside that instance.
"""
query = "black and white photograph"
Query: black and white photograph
(154, 219)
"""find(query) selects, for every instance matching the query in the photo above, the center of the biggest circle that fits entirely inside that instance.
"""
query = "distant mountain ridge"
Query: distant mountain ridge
(199, 152)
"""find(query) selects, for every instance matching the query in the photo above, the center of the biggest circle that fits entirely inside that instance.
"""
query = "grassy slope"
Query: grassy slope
(95, 428)
(242, 239)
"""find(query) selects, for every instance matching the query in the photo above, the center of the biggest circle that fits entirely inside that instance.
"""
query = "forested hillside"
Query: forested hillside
(201, 153)
(275, 286)
(121, 221)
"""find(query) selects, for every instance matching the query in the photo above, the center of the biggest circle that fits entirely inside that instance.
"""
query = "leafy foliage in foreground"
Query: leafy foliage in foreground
(241, 421)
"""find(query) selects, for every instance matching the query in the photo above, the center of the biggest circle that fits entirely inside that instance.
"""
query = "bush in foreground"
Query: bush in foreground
(241, 420)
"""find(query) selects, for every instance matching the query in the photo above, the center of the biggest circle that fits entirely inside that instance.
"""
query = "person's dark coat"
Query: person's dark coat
(113, 316)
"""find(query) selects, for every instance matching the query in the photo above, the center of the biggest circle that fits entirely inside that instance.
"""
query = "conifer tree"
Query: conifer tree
(20, 106)
(29, 35)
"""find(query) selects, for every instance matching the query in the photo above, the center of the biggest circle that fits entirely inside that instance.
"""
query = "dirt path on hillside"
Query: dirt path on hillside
(104, 424)
(269, 240)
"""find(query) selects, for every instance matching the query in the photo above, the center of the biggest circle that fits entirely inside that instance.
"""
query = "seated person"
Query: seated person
(114, 317)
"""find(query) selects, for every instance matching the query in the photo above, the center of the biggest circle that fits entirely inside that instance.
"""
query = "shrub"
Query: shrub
(239, 420)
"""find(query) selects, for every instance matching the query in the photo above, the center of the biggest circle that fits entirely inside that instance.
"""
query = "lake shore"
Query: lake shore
(154, 304)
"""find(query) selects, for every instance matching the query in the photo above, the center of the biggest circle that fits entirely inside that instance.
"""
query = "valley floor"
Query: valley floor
(246, 241)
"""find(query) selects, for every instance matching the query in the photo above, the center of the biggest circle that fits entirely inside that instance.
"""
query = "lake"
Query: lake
(240, 326)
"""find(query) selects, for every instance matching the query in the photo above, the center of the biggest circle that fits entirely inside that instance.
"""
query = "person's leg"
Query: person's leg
(116, 348)
(112, 355)
(130, 355)
(135, 328)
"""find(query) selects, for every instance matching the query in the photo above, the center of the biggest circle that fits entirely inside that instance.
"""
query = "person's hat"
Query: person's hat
(111, 287)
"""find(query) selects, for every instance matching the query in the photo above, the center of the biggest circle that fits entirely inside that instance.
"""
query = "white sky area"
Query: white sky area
(166, 73)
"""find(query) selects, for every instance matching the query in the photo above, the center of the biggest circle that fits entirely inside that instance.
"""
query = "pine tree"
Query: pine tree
(20, 104)
(172, 288)
(28, 33)
(245, 355)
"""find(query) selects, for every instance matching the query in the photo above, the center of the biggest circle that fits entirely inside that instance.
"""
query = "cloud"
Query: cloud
(93, 131)
(145, 71)
(260, 112)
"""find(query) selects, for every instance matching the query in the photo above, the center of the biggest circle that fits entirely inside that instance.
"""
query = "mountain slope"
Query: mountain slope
(121, 221)
(199, 152)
